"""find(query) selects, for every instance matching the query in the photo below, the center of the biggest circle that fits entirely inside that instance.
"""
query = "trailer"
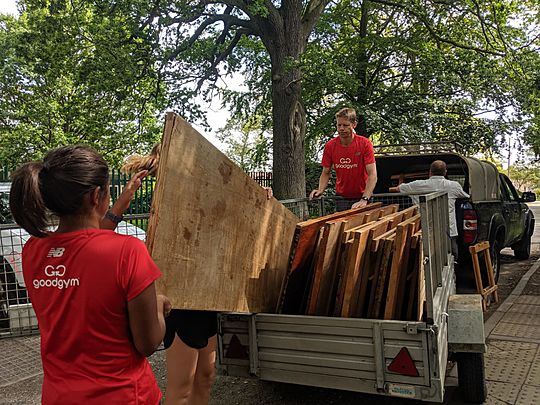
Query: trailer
(395, 358)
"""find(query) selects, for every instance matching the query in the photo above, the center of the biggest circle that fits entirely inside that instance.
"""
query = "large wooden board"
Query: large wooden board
(376, 306)
(369, 268)
(219, 242)
(354, 263)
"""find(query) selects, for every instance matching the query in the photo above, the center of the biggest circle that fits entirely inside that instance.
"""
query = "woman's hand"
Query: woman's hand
(124, 199)
(269, 192)
(122, 203)
(164, 305)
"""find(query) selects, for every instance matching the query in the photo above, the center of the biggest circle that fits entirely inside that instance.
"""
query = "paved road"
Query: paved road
(535, 208)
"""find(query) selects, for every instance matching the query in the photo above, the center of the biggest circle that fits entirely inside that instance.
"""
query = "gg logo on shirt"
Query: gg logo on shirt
(55, 271)
(346, 163)
(53, 279)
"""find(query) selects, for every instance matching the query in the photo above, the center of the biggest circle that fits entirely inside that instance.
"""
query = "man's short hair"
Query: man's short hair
(348, 113)
(438, 168)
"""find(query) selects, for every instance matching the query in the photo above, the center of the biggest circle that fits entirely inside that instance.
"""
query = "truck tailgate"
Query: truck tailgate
(343, 353)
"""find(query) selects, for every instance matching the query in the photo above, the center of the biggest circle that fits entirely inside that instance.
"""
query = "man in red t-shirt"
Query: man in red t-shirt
(353, 160)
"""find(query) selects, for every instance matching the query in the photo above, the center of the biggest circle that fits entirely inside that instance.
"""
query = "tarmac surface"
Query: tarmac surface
(512, 362)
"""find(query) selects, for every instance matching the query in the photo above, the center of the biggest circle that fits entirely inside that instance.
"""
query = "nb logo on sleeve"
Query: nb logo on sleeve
(56, 252)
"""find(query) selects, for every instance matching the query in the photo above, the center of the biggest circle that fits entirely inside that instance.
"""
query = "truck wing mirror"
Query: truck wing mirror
(528, 196)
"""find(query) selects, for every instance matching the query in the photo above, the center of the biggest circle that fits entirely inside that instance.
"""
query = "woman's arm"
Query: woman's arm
(122, 203)
(146, 314)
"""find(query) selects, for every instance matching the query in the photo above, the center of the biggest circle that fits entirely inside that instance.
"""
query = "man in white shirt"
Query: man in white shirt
(437, 182)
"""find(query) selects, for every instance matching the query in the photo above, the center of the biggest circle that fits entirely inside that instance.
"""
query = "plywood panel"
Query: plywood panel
(412, 300)
(324, 277)
(219, 242)
(368, 269)
(354, 265)
(327, 271)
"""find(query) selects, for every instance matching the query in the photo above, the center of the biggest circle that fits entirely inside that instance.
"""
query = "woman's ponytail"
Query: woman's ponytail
(26, 201)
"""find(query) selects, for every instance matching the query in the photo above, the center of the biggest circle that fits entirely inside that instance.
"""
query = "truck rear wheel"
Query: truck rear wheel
(471, 377)
(522, 249)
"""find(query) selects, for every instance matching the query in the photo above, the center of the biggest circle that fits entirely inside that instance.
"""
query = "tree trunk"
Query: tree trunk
(285, 46)
(362, 73)
(289, 118)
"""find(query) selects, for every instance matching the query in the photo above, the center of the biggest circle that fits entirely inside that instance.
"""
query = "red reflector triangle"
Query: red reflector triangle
(236, 350)
(403, 364)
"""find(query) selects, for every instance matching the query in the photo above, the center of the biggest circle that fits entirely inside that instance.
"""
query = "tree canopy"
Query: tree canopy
(103, 71)
(76, 72)
(461, 71)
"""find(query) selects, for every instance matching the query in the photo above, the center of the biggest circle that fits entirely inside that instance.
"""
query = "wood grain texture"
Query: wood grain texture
(412, 299)
(381, 288)
(220, 243)
(404, 231)
(324, 281)
(368, 270)
(301, 261)
(354, 262)
(325, 269)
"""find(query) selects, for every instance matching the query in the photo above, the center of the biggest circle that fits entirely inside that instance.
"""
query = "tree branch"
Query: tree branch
(228, 20)
(432, 31)
(221, 57)
(311, 15)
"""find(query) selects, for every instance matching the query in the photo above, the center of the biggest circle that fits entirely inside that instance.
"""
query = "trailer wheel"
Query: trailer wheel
(472, 377)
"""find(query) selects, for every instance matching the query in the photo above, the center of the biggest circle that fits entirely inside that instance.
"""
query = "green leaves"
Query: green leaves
(76, 72)
(421, 71)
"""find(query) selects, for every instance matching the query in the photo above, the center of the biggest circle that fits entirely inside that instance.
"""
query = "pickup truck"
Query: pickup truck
(495, 212)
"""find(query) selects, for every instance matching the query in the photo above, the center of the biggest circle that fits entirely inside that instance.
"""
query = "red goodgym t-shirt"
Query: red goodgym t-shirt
(80, 283)
(350, 164)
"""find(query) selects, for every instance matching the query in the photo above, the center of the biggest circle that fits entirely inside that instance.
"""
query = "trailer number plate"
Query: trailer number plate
(398, 390)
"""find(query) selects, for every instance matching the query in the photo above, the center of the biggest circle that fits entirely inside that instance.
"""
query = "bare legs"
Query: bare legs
(190, 373)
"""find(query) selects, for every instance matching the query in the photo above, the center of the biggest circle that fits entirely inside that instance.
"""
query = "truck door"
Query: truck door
(511, 210)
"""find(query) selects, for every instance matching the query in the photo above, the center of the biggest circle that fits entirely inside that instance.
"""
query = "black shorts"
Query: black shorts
(194, 328)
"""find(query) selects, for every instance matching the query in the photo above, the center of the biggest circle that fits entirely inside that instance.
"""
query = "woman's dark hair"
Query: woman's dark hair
(56, 185)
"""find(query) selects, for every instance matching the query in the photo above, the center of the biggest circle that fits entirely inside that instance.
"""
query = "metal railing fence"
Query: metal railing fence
(18, 318)
(304, 208)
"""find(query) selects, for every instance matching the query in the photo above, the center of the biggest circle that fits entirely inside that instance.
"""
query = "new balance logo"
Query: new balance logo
(56, 252)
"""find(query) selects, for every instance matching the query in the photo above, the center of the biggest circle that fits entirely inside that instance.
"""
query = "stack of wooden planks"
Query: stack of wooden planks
(363, 263)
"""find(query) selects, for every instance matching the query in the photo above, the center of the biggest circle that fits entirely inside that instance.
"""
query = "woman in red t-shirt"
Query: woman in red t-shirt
(92, 289)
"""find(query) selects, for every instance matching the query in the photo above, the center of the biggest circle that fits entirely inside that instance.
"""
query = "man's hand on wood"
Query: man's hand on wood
(315, 194)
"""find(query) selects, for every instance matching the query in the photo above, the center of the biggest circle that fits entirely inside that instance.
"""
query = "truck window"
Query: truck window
(506, 192)
(512, 189)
